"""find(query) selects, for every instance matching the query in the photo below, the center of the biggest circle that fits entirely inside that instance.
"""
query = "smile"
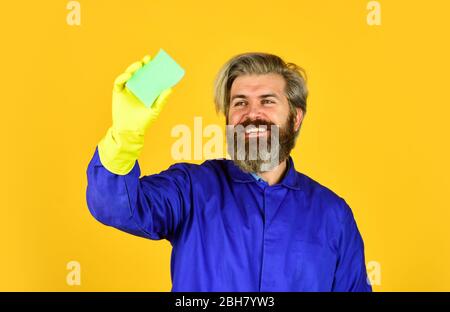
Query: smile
(256, 131)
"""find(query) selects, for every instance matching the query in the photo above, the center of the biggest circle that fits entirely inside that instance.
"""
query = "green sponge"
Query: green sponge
(160, 73)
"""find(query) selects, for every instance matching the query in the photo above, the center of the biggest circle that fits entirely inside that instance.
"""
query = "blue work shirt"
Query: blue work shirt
(232, 232)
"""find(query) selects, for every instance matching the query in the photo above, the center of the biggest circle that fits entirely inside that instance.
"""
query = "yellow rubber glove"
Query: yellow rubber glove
(122, 144)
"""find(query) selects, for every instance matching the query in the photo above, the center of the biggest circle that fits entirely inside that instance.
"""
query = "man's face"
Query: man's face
(260, 100)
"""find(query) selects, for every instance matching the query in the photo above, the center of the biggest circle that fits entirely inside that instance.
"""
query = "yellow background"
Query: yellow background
(376, 131)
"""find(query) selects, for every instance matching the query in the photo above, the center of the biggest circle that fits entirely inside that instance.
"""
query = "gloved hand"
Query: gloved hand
(122, 144)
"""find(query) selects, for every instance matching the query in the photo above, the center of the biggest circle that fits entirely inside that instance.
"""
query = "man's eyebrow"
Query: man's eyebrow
(268, 95)
(238, 96)
(243, 96)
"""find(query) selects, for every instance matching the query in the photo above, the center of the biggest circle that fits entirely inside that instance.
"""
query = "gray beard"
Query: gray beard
(261, 154)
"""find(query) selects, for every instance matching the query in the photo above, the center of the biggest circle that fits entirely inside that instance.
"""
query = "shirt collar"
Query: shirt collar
(291, 178)
(257, 177)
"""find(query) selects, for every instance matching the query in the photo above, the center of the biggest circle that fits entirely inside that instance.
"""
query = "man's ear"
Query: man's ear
(298, 118)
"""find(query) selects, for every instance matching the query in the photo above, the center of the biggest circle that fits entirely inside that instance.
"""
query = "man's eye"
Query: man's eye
(239, 103)
(267, 101)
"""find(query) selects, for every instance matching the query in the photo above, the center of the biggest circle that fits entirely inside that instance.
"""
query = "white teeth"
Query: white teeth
(255, 130)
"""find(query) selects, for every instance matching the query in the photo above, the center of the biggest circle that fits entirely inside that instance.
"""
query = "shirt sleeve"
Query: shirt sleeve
(350, 274)
(153, 206)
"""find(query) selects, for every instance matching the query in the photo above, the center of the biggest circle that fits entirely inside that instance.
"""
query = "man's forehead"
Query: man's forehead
(257, 85)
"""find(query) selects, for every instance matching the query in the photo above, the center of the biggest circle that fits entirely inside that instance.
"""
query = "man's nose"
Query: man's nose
(254, 110)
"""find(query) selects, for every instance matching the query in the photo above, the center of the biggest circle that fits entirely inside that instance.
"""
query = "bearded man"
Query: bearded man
(249, 223)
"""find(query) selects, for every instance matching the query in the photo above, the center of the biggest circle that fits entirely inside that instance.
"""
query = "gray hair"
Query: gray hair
(259, 64)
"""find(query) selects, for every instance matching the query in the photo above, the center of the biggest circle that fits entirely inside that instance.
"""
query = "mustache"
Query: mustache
(256, 123)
